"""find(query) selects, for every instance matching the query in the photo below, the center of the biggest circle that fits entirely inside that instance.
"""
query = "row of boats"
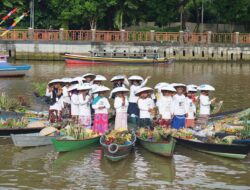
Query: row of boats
(31, 137)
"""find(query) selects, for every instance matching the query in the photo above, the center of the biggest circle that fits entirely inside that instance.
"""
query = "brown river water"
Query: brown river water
(42, 168)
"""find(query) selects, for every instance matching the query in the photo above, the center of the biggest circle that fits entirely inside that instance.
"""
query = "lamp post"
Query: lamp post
(32, 13)
(202, 16)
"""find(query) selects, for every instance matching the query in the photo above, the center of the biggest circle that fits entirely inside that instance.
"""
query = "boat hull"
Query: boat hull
(13, 71)
(5, 132)
(122, 152)
(160, 148)
(224, 150)
(31, 140)
(62, 145)
(79, 59)
(245, 142)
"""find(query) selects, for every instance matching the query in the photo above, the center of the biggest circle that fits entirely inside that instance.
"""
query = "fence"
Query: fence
(126, 36)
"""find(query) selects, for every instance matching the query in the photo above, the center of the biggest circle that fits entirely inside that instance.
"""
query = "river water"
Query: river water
(42, 168)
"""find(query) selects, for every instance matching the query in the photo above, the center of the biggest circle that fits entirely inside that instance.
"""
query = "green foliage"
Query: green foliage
(13, 123)
(117, 14)
(9, 104)
(40, 88)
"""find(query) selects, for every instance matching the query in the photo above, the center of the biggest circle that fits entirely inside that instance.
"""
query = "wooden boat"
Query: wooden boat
(224, 150)
(244, 142)
(31, 140)
(8, 70)
(5, 132)
(164, 148)
(65, 145)
(101, 58)
(115, 152)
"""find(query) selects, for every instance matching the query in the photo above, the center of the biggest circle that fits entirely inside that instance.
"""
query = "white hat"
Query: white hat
(178, 85)
(160, 85)
(66, 80)
(55, 81)
(117, 77)
(119, 89)
(192, 86)
(78, 79)
(85, 86)
(88, 75)
(191, 89)
(73, 87)
(100, 78)
(168, 88)
(100, 89)
(143, 89)
(206, 87)
(135, 77)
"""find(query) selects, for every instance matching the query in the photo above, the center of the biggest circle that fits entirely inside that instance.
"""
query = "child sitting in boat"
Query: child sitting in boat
(136, 82)
(101, 106)
(191, 107)
(179, 108)
(74, 102)
(121, 107)
(164, 105)
(146, 106)
(205, 104)
(84, 105)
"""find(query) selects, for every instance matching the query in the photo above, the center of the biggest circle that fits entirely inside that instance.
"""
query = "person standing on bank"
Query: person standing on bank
(136, 82)
(121, 107)
(146, 106)
(101, 106)
(179, 108)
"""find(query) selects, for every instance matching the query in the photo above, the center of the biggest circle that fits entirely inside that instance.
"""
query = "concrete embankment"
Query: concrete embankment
(49, 50)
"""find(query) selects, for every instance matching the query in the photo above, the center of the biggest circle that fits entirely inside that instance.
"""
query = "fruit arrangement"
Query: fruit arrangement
(13, 123)
(120, 137)
(77, 133)
(184, 134)
(155, 135)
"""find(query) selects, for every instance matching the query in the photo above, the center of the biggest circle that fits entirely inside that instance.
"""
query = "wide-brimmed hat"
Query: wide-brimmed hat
(160, 85)
(100, 78)
(168, 88)
(89, 75)
(192, 86)
(55, 81)
(176, 85)
(66, 80)
(85, 86)
(78, 79)
(117, 77)
(73, 87)
(191, 89)
(135, 77)
(100, 89)
(47, 131)
(143, 89)
(119, 89)
(206, 87)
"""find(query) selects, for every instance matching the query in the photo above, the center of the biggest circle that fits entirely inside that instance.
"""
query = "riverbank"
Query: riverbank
(50, 50)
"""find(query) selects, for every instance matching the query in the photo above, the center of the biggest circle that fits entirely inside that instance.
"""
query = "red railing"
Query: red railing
(125, 36)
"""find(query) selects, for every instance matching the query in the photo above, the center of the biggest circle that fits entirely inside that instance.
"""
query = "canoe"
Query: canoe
(8, 70)
(164, 148)
(65, 145)
(224, 150)
(31, 140)
(245, 142)
(81, 59)
(115, 152)
(6, 132)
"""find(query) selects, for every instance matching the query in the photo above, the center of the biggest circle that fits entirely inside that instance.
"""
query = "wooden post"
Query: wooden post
(209, 36)
(30, 33)
(123, 35)
(61, 34)
(93, 32)
(181, 37)
(152, 35)
(237, 34)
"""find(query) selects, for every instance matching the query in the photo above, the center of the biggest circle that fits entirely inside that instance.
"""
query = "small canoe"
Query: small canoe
(8, 70)
(95, 59)
(115, 152)
(164, 148)
(6, 132)
(65, 145)
(225, 150)
(31, 140)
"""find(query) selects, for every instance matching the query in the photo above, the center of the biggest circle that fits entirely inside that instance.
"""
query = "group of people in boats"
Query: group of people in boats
(174, 105)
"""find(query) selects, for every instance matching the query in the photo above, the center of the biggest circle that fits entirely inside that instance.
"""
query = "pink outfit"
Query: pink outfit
(100, 123)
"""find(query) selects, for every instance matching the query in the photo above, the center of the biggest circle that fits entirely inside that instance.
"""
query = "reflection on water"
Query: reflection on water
(42, 168)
